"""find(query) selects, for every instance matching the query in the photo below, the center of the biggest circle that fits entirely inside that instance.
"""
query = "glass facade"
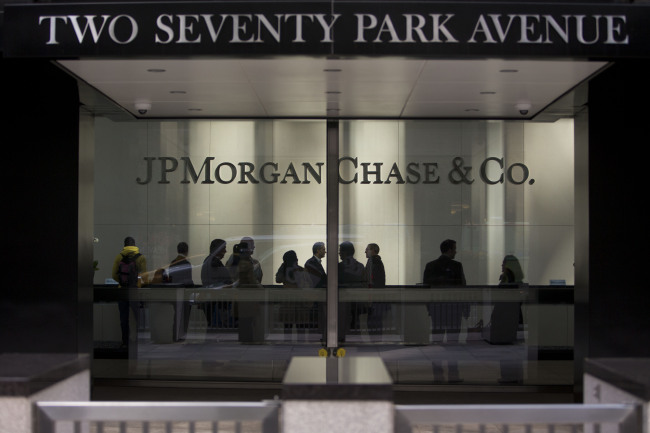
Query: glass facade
(502, 190)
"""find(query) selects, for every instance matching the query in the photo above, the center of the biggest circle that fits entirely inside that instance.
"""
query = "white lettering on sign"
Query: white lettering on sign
(244, 28)
(539, 29)
(368, 28)
(81, 25)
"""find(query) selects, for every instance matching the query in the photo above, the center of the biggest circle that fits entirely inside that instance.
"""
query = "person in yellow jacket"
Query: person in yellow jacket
(132, 252)
(130, 271)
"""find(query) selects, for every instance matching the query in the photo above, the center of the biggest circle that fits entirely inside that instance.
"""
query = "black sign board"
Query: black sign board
(399, 28)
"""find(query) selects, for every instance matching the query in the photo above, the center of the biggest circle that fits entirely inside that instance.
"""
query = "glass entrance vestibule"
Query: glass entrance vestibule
(234, 217)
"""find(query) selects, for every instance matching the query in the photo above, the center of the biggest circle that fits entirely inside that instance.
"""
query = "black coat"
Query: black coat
(352, 273)
(444, 271)
(316, 272)
(375, 272)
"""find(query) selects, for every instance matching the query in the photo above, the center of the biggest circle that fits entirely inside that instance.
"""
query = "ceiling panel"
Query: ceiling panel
(319, 87)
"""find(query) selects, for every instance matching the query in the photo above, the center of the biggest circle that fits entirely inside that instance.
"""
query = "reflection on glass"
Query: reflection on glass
(234, 278)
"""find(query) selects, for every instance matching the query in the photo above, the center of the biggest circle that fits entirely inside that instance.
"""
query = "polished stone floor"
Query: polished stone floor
(220, 357)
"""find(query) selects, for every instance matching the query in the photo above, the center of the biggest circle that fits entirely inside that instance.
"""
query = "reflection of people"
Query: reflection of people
(293, 312)
(130, 271)
(213, 271)
(215, 275)
(291, 274)
(247, 277)
(505, 320)
(506, 316)
(376, 275)
(314, 266)
(446, 316)
(351, 274)
(180, 272)
(246, 249)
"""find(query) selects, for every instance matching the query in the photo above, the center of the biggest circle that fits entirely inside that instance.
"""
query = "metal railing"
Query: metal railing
(263, 417)
(154, 417)
(525, 418)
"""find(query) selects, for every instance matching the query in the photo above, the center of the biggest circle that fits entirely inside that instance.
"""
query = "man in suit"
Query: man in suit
(314, 266)
(376, 274)
(318, 277)
(352, 275)
(445, 271)
(180, 269)
(446, 316)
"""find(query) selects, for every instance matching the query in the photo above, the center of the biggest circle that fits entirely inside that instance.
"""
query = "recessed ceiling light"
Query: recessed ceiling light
(156, 70)
(509, 70)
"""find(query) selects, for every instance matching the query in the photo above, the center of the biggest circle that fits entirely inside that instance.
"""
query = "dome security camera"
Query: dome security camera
(143, 107)
(523, 108)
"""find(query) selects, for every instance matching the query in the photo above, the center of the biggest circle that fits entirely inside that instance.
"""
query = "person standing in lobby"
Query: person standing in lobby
(314, 266)
(352, 275)
(180, 269)
(247, 248)
(318, 277)
(446, 316)
(215, 275)
(130, 271)
(376, 274)
(179, 272)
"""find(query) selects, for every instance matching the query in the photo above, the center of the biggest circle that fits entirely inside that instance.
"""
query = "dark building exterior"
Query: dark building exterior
(47, 303)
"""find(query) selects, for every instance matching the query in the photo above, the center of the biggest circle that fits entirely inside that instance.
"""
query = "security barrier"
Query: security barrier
(135, 417)
(264, 417)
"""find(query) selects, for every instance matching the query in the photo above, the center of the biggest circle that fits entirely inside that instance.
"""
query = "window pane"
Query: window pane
(503, 191)
(213, 207)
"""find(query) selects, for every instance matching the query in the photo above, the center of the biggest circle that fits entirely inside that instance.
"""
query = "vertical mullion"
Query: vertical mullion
(332, 232)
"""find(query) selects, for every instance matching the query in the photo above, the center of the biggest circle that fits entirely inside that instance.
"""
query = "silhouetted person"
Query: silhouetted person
(250, 315)
(180, 269)
(376, 275)
(180, 272)
(446, 316)
(246, 248)
(314, 266)
(290, 274)
(214, 274)
(351, 274)
(130, 271)
(294, 312)
(505, 319)
(445, 271)
(511, 272)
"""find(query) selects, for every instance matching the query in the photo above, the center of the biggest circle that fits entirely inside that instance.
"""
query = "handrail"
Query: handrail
(395, 294)
(49, 413)
(626, 416)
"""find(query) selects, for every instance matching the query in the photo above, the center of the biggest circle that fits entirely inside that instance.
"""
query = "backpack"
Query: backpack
(127, 271)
